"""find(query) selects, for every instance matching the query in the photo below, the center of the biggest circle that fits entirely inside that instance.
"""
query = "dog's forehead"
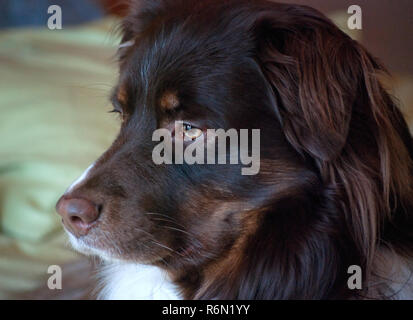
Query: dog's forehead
(169, 60)
(157, 71)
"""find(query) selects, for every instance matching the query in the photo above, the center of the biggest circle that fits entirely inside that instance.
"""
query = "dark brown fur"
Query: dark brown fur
(335, 186)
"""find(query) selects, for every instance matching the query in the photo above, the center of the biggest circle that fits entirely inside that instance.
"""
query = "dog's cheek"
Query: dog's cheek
(219, 230)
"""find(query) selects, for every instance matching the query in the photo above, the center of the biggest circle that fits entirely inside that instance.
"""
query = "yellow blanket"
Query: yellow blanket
(53, 97)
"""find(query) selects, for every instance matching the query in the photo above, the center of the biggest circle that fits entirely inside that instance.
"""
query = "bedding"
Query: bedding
(53, 97)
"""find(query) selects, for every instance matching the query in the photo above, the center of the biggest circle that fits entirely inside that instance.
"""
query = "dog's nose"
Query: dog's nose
(78, 214)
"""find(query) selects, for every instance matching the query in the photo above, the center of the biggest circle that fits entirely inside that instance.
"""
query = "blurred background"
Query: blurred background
(54, 87)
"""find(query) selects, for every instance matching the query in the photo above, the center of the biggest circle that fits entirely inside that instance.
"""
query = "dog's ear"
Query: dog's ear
(333, 108)
(314, 70)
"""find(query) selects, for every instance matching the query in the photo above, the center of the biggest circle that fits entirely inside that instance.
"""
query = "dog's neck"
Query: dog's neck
(131, 281)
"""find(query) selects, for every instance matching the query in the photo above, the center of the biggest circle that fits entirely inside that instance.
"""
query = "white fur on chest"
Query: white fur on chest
(127, 281)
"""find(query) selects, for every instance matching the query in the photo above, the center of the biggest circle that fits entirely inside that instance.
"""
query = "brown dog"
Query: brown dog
(334, 188)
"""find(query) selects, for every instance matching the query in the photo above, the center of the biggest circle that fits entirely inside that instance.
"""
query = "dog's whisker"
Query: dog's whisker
(162, 245)
(157, 256)
(171, 221)
(176, 229)
(166, 247)
(160, 214)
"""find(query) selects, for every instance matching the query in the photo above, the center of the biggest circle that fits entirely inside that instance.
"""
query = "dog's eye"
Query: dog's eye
(190, 132)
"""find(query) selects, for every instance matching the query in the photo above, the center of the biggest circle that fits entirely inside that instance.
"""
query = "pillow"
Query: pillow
(53, 124)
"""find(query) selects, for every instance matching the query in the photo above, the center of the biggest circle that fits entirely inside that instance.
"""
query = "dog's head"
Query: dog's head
(326, 178)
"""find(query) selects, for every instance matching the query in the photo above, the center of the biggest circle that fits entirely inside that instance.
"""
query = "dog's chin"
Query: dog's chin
(83, 247)
(80, 246)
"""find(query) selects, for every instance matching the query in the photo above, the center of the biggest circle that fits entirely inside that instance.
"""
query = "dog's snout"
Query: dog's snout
(78, 214)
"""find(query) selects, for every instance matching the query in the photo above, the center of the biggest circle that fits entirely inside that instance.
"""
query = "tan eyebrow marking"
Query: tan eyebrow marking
(122, 95)
(169, 100)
